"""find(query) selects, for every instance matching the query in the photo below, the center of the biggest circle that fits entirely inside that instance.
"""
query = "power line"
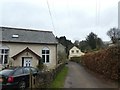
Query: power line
(50, 14)
(97, 12)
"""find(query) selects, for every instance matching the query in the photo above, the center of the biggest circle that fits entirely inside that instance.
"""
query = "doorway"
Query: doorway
(26, 61)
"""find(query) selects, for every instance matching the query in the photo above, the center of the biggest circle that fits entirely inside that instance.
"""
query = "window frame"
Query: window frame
(77, 51)
(4, 54)
(16, 73)
(72, 51)
(46, 55)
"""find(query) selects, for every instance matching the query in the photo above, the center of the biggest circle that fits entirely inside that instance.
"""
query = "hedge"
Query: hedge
(105, 62)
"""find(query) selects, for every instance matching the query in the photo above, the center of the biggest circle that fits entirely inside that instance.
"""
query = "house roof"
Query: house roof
(26, 50)
(27, 36)
(73, 47)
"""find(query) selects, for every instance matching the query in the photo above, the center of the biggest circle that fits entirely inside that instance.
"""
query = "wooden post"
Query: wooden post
(30, 80)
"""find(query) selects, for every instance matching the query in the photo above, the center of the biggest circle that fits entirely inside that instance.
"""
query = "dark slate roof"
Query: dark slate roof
(27, 36)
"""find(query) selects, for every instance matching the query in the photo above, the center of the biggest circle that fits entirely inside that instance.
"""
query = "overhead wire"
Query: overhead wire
(50, 15)
(97, 12)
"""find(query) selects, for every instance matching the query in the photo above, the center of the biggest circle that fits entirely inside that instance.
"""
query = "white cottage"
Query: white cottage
(26, 47)
(75, 52)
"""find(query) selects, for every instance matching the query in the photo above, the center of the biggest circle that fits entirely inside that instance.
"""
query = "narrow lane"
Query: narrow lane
(78, 77)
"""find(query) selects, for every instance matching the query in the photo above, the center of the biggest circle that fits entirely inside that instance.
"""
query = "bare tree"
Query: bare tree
(114, 34)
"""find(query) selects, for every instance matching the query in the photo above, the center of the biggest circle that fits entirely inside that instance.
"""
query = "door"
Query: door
(27, 62)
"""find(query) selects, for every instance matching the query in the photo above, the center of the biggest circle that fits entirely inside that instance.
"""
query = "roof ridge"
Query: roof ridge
(25, 29)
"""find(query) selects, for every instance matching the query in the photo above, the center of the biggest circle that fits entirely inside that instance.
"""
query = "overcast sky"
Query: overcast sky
(74, 19)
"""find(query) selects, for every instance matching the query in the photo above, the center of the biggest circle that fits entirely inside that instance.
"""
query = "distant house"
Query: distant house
(75, 52)
(110, 43)
(25, 47)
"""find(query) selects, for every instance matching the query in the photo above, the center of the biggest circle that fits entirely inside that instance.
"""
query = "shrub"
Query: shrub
(105, 62)
(44, 79)
(40, 65)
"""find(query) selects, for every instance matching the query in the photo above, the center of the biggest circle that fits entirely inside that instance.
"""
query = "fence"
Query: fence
(43, 79)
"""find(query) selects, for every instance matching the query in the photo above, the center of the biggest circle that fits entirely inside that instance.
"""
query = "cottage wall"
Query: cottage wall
(15, 48)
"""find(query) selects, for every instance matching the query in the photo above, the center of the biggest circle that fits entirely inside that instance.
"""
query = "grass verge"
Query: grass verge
(60, 78)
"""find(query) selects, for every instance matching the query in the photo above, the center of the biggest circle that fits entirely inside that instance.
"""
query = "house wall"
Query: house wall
(62, 55)
(75, 54)
(61, 48)
(18, 62)
(15, 48)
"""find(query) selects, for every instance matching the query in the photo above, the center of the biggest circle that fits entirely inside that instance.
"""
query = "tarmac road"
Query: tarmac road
(79, 77)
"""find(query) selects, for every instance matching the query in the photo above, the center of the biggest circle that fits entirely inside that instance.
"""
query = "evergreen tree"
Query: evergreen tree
(92, 40)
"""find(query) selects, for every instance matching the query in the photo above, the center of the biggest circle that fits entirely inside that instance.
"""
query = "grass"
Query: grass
(60, 79)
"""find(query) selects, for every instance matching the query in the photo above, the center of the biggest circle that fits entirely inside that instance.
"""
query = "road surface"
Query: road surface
(79, 77)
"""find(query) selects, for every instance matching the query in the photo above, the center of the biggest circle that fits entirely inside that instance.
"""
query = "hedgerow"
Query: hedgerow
(105, 62)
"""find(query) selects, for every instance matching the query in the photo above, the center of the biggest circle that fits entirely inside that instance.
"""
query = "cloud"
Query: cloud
(72, 18)
(25, 15)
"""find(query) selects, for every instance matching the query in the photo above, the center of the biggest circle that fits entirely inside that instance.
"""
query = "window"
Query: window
(34, 70)
(26, 70)
(72, 51)
(6, 72)
(18, 72)
(77, 51)
(15, 36)
(4, 52)
(46, 55)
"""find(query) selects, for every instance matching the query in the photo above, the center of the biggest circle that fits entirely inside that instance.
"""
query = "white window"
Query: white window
(46, 55)
(4, 52)
(15, 36)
